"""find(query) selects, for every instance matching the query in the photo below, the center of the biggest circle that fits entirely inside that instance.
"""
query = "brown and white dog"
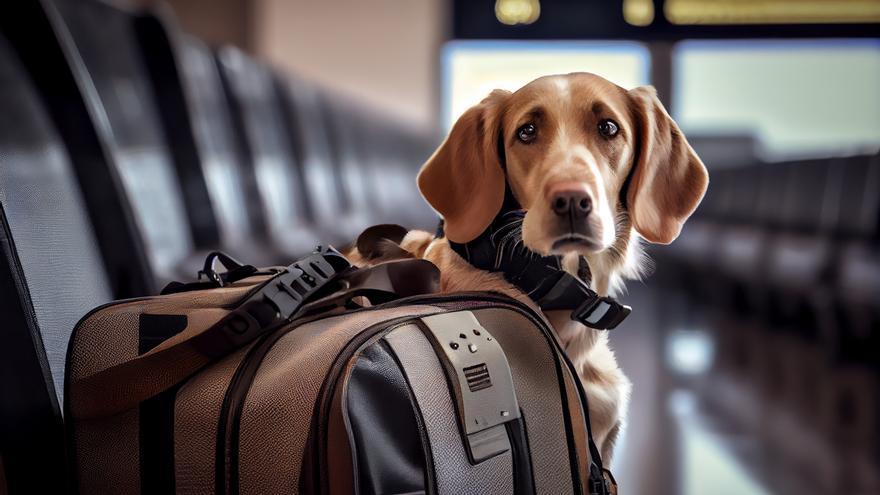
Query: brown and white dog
(596, 167)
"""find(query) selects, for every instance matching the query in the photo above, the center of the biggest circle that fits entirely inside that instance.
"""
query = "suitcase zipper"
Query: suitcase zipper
(227, 446)
(328, 389)
(226, 460)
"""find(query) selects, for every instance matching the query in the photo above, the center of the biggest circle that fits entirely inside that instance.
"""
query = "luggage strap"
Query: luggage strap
(321, 281)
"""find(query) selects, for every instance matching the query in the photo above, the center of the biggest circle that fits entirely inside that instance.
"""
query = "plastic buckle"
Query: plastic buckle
(301, 280)
(597, 483)
(601, 313)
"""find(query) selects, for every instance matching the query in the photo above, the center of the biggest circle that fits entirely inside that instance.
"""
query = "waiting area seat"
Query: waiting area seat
(136, 141)
(51, 274)
(196, 113)
(260, 127)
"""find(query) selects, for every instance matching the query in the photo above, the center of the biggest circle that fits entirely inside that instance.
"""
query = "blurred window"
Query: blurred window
(796, 97)
(472, 69)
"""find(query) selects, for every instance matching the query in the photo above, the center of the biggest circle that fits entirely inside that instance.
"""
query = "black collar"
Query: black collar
(500, 249)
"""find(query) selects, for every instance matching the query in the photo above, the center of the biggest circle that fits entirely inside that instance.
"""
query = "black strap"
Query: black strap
(560, 290)
(542, 278)
(281, 299)
(235, 270)
(322, 281)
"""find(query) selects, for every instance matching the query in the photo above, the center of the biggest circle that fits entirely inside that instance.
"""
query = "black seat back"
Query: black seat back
(152, 39)
(51, 274)
(103, 36)
(809, 191)
(261, 133)
(770, 205)
(394, 164)
(307, 127)
(348, 148)
(232, 185)
(184, 71)
(37, 34)
(858, 213)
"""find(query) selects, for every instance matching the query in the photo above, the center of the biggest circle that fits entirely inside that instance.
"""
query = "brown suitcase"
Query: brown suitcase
(321, 378)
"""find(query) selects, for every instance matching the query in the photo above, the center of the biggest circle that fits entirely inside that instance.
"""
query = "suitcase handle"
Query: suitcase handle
(236, 270)
(309, 286)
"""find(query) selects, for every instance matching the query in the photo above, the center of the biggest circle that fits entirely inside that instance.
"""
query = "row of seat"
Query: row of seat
(128, 150)
(791, 238)
(787, 258)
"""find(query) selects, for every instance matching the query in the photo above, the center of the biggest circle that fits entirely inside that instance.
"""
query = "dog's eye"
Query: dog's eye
(608, 128)
(527, 133)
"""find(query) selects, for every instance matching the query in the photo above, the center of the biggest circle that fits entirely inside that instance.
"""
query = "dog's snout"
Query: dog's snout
(571, 201)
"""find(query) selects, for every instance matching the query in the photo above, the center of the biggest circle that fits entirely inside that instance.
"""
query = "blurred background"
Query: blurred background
(137, 135)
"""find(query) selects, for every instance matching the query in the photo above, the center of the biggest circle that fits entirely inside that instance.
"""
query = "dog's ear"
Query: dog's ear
(668, 179)
(464, 180)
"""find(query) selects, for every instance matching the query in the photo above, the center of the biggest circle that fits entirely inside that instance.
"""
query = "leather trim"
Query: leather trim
(523, 476)
(340, 453)
(156, 417)
(579, 434)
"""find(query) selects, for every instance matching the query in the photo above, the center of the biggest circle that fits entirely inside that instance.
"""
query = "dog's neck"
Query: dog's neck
(553, 282)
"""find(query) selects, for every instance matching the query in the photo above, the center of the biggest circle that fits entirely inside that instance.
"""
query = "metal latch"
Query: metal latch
(481, 378)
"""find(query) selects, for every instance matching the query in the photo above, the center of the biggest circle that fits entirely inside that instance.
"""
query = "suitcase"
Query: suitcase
(324, 378)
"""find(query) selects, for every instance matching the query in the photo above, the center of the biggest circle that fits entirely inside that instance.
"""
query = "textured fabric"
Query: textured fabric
(279, 405)
(277, 413)
(454, 473)
(107, 450)
(42, 202)
(197, 413)
(537, 388)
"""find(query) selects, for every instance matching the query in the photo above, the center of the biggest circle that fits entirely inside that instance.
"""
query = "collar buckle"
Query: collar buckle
(601, 313)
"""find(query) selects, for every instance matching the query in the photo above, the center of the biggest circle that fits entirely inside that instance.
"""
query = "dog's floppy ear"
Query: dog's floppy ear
(668, 180)
(464, 180)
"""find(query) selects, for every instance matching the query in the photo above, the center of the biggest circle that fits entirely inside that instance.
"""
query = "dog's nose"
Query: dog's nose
(574, 202)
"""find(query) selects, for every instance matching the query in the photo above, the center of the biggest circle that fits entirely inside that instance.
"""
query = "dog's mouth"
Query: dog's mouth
(574, 242)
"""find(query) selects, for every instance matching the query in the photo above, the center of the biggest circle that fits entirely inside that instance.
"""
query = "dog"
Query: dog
(596, 168)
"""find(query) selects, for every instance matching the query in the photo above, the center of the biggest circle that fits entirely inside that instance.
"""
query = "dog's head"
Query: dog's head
(577, 151)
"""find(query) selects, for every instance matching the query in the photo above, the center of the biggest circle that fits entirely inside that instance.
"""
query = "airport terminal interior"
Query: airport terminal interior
(136, 136)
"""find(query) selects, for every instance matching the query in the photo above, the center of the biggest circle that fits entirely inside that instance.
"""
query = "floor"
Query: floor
(672, 444)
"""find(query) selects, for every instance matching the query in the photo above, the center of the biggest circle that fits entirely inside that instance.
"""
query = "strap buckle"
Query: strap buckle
(563, 291)
(601, 313)
(597, 484)
(601, 481)
(302, 279)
